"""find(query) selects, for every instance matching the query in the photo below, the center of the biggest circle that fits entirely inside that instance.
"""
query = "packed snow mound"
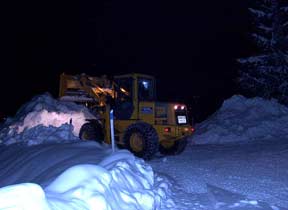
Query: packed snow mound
(45, 119)
(243, 119)
(120, 181)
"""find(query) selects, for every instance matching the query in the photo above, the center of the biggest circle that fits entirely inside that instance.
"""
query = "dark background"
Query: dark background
(190, 47)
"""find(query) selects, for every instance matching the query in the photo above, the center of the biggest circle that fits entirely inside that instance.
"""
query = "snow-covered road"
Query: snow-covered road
(227, 176)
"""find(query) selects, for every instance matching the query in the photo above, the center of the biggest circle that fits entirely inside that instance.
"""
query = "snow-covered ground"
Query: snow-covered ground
(79, 175)
(237, 159)
(250, 176)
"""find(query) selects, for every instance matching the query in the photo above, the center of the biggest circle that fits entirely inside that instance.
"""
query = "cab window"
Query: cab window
(125, 86)
(146, 89)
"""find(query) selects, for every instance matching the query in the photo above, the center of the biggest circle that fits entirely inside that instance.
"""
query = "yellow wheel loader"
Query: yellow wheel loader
(142, 125)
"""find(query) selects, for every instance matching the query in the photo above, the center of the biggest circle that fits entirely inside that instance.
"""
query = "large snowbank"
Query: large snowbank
(242, 119)
(78, 176)
(58, 118)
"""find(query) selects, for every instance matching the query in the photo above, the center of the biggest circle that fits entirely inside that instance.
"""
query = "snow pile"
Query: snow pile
(124, 184)
(44, 119)
(242, 119)
(120, 181)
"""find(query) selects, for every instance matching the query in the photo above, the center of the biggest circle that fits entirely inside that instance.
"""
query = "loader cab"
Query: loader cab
(132, 89)
(138, 87)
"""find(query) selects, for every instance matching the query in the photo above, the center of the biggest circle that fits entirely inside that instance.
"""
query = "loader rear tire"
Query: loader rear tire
(142, 140)
(177, 148)
(91, 131)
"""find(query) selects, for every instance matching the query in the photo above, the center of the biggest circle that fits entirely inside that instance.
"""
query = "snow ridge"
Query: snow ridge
(242, 119)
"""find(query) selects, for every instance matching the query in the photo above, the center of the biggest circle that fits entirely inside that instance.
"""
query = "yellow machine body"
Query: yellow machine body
(133, 99)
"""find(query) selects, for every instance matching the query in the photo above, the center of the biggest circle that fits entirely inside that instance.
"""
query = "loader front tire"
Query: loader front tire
(142, 140)
(91, 131)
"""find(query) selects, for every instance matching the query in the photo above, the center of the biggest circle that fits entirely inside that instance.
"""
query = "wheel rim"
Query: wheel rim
(136, 142)
(85, 136)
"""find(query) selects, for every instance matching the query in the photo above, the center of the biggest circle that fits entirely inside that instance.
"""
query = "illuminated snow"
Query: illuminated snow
(45, 111)
(119, 181)
(48, 118)
(23, 196)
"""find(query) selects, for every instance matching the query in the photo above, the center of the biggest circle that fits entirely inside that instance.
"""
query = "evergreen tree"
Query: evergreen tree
(265, 74)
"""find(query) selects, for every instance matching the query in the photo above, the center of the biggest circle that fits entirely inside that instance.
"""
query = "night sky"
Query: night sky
(189, 46)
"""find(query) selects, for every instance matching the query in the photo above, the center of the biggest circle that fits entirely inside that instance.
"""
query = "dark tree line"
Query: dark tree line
(265, 73)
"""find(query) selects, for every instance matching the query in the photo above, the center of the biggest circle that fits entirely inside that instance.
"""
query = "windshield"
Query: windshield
(146, 89)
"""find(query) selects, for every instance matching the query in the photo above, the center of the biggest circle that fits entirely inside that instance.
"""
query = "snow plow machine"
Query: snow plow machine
(142, 125)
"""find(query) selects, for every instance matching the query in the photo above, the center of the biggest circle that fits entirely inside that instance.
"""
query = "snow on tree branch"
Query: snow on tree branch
(285, 9)
(253, 59)
(258, 13)
(261, 40)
